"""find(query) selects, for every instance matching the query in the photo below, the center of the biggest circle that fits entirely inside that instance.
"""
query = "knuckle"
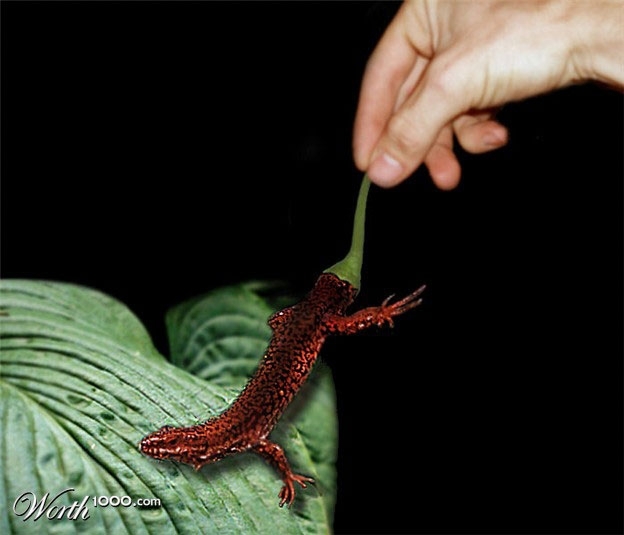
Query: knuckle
(403, 133)
(446, 76)
(442, 81)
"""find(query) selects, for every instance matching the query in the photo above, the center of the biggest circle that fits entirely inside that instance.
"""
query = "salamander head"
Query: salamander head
(162, 444)
(184, 444)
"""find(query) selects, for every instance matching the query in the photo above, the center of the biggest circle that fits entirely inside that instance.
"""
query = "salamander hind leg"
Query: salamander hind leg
(274, 454)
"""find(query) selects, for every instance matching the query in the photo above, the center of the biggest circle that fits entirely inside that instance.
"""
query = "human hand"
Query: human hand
(443, 67)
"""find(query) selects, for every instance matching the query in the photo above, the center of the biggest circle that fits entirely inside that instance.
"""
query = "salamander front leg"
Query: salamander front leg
(380, 316)
(280, 317)
(274, 454)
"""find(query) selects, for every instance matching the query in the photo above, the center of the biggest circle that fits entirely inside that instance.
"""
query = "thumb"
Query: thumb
(414, 127)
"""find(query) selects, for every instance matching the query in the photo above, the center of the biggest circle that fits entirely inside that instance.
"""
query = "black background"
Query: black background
(155, 151)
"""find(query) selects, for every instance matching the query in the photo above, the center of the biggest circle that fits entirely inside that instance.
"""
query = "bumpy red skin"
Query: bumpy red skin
(298, 334)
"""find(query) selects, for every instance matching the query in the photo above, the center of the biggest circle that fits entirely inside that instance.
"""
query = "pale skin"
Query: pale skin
(442, 68)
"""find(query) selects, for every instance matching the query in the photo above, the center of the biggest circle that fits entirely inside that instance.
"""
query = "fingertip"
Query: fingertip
(443, 167)
(386, 171)
(361, 153)
(495, 136)
(477, 135)
(447, 180)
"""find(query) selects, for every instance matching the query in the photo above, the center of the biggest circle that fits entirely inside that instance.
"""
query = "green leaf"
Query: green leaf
(81, 384)
(220, 336)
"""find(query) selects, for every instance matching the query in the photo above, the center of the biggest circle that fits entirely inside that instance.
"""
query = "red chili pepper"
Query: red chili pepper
(299, 332)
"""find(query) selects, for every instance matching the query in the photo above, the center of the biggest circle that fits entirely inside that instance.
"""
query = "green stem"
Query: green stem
(350, 267)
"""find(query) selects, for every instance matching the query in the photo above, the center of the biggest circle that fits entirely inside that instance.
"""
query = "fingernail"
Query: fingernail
(495, 139)
(385, 170)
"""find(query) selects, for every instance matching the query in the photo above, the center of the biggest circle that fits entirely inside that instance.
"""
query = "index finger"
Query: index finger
(386, 72)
